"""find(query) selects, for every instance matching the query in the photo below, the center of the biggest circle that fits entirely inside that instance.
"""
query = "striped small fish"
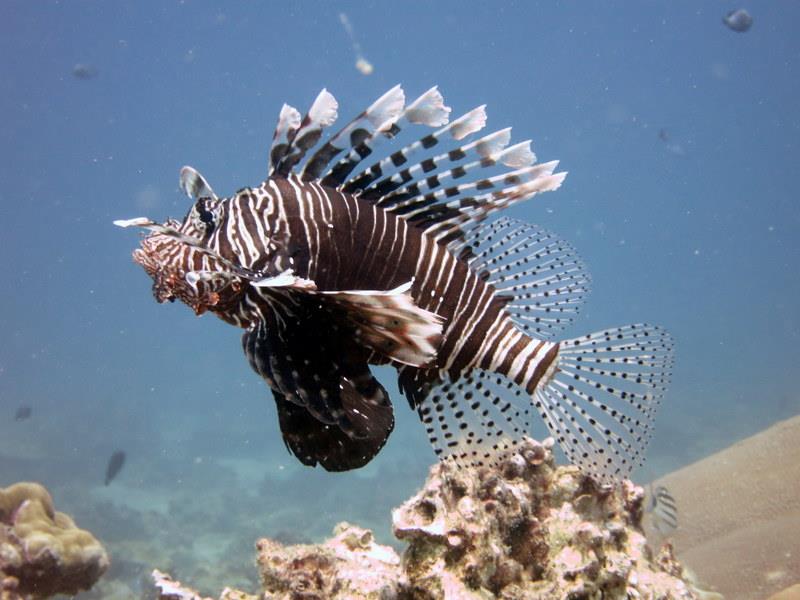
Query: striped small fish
(340, 260)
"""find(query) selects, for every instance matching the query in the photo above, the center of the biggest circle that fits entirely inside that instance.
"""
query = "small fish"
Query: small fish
(662, 508)
(333, 265)
(115, 464)
(738, 20)
(23, 413)
(84, 71)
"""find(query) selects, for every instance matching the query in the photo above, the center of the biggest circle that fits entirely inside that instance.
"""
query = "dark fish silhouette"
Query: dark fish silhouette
(330, 267)
(738, 20)
(83, 71)
(23, 412)
(115, 464)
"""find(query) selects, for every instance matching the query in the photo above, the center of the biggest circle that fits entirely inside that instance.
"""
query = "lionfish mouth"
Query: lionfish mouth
(160, 256)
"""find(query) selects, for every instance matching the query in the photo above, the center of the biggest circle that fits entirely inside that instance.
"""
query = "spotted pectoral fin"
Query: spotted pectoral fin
(333, 412)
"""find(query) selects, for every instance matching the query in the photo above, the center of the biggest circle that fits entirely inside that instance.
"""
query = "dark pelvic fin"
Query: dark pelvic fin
(314, 442)
(313, 365)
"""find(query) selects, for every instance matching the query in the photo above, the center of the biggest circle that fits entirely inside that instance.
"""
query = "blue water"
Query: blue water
(699, 232)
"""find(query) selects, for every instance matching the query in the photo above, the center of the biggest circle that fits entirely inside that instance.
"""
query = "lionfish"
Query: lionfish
(343, 261)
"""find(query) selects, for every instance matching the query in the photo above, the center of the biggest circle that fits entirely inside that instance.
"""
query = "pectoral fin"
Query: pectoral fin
(332, 410)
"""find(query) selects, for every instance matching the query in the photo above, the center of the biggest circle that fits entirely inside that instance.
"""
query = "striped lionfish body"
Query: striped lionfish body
(339, 261)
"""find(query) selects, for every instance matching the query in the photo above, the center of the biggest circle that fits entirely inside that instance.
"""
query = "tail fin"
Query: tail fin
(598, 398)
(603, 396)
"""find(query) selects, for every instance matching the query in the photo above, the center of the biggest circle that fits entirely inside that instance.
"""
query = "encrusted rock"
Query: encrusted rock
(42, 552)
(529, 530)
(349, 565)
(523, 531)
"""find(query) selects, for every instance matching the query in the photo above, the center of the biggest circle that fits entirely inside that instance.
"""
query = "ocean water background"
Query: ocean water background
(699, 232)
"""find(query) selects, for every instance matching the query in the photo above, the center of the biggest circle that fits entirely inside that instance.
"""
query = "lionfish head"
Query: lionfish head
(183, 265)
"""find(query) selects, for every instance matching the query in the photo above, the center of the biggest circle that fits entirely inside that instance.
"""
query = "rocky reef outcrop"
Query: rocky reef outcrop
(524, 530)
(42, 552)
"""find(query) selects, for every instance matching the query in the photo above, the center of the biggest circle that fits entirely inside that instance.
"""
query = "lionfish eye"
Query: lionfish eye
(206, 216)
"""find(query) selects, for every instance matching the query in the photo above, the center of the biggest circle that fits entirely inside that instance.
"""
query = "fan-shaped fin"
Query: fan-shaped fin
(602, 399)
(541, 275)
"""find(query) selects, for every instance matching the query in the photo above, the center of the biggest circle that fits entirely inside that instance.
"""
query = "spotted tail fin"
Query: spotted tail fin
(603, 396)
(597, 394)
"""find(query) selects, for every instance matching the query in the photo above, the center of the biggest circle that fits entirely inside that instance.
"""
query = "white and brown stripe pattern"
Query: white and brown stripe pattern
(463, 307)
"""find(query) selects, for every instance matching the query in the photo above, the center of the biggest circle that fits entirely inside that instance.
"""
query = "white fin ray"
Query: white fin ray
(323, 113)
(387, 322)
(388, 106)
(429, 109)
(486, 148)
(289, 121)
(403, 201)
(478, 208)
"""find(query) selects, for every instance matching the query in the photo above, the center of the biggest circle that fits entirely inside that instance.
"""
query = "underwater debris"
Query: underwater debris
(23, 413)
(84, 71)
(738, 20)
(115, 464)
(42, 552)
(362, 64)
(523, 529)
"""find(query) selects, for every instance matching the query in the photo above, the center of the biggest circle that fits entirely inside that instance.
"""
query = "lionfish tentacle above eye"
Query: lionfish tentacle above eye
(194, 185)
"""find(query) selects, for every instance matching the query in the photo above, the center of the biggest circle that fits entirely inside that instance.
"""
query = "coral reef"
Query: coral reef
(350, 565)
(530, 530)
(42, 552)
(739, 523)
(525, 530)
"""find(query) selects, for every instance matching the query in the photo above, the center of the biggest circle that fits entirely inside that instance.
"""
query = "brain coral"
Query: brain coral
(42, 552)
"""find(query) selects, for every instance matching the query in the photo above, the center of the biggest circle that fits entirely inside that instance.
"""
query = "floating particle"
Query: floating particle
(23, 413)
(738, 20)
(362, 64)
(671, 146)
(84, 71)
